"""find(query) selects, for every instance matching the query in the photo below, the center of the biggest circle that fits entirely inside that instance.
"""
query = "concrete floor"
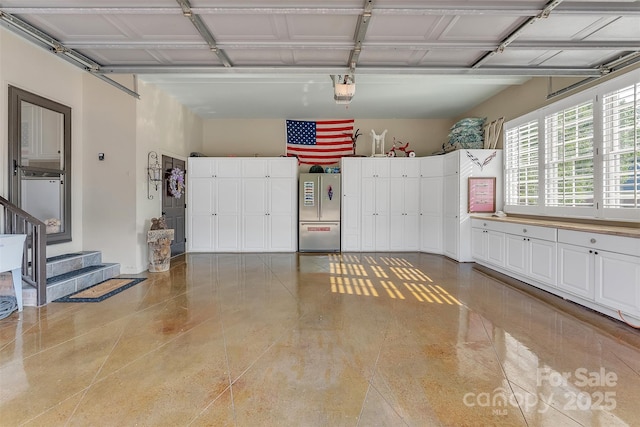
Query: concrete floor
(317, 340)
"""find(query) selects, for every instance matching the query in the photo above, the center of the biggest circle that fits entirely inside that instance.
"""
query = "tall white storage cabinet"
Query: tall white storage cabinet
(375, 204)
(269, 190)
(214, 204)
(404, 197)
(413, 204)
(459, 165)
(242, 204)
(351, 175)
(431, 199)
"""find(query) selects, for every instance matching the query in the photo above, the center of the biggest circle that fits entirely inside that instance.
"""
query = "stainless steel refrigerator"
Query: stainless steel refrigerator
(319, 212)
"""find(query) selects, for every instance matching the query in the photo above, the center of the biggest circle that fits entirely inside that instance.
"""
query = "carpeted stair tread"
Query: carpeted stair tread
(74, 273)
(64, 256)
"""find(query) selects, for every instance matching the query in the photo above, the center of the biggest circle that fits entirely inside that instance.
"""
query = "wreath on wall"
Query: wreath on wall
(176, 182)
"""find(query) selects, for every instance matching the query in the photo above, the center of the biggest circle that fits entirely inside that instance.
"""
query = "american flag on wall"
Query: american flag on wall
(321, 142)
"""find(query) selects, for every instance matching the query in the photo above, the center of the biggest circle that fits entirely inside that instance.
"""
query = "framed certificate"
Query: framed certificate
(482, 194)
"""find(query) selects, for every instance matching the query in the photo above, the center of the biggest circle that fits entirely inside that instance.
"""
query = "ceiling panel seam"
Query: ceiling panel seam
(204, 31)
(546, 11)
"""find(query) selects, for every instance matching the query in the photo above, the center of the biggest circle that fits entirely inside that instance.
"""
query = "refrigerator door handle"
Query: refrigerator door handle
(319, 193)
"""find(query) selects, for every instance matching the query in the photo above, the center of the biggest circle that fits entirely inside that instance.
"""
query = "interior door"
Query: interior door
(174, 208)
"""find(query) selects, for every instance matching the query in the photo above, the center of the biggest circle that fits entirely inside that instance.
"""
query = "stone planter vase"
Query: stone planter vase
(159, 249)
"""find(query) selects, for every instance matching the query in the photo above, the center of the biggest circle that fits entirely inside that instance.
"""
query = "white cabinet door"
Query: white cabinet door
(516, 253)
(254, 167)
(367, 239)
(201, 196)
(451, 163)
(495, 248)
(351, 195)
(282, 167)
(479, 244)
(451, 196)
(432, 166)
(382, 232)
(375, 167)
(200, 238)
(400, 167)
(488, 246)
(254, 214)
(227, 214)
(281, 216)
(404, 207)
(542, 261)
(575, 273)
(617, 281)
(383, 217)
(411, 232)
(375, 231)
(431, 214)
(201, 167)
(451, 229)
(450, 237)
(201, 222)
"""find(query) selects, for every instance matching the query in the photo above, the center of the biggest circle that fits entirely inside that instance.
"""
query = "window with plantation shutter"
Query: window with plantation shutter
(569, 161)
(578, 157)
(521, 164)
(621, 148)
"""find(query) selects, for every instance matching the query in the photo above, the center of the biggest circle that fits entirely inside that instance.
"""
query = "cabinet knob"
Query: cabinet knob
(592, 240)
(590, 252)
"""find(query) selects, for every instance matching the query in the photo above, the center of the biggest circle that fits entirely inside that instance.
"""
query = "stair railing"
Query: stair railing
(34, 259)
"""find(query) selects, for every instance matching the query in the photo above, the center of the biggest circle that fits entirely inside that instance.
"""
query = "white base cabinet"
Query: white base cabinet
(617, 281)
(599, 271)
(242, 204)
(576, 270)
(488, 246)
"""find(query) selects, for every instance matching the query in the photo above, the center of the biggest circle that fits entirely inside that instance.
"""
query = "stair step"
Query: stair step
(73, 281)
(61, 264)
(66, 274)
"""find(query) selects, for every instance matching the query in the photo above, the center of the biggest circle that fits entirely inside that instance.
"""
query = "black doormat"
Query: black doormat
(102, 290)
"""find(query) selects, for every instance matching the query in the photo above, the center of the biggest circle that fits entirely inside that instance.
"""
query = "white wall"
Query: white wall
(109, 197)
(166, 127)
(267, 137)
(28, 67)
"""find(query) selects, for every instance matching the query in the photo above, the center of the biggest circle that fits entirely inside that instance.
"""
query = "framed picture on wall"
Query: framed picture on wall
(482, 194)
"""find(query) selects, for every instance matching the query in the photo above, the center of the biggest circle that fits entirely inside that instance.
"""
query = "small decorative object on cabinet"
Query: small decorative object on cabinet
(397, 145)
(377, 144)
(468, 133)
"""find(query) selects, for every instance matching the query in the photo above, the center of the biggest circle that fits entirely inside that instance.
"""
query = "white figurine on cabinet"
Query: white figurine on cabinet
(377, 144)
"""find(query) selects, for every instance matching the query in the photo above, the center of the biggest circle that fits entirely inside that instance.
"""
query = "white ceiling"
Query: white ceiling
(273, 59)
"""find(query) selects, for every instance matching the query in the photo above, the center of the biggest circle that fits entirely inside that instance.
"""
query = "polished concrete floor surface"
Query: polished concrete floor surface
(316, 340)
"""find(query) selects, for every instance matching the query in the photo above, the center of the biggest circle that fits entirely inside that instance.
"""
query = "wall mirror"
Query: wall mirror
(40, 160)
